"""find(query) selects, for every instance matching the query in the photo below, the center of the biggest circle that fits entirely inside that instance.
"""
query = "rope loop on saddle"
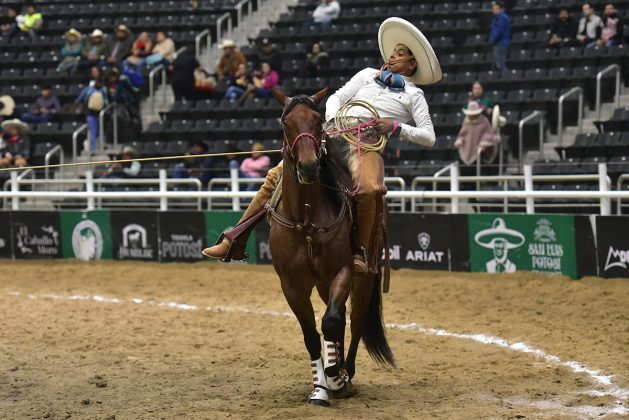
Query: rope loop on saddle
(351, 133)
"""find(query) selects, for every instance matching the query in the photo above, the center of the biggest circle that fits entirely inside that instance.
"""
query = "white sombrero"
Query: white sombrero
(15, 123)
(499, 230)
(395, 31)
(497, 120)
(472, 109)
(8, 106)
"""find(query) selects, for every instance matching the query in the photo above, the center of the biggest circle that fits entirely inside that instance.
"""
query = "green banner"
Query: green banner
(509, 243)
(216, 222)
(86, 234)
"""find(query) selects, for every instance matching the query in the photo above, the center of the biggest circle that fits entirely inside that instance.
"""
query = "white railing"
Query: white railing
(159, 69)
(535, 115)
(101, 127)
(572, 92)
(57, 150)
(528, 195)
(75, 139)
(208, 44)
(599, 76)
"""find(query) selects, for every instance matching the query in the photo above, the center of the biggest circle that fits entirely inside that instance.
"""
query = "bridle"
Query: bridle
(289, 146)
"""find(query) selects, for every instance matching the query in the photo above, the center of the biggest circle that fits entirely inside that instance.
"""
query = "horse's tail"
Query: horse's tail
(374, 335)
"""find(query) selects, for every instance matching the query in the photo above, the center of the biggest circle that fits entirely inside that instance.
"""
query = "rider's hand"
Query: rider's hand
(384, 126)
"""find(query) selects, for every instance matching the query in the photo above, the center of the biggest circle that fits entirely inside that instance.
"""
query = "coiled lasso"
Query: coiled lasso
(351, 133)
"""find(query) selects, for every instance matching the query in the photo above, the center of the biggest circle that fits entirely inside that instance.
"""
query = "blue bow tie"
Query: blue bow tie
(391, 80)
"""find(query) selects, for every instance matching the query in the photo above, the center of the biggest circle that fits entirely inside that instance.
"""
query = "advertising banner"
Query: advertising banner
(509, 243)
(36, 234)
(585, 240)
(5, 235)
(86, 234)
(429, 241)
(181, 236)
(218, 221)
(134, 235)
(612, 234)
(263, 252)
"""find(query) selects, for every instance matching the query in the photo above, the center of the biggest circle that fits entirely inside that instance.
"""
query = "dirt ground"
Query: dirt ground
(68, 357)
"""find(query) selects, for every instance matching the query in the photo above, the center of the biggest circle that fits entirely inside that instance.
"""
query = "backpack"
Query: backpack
(96, 101)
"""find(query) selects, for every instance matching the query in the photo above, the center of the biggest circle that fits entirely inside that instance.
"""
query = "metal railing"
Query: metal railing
(75, 149)
(574, 91)
(535, 115)
(599, 77)
(101, 127)
(159, 69)
(57, 150)
(208, 44)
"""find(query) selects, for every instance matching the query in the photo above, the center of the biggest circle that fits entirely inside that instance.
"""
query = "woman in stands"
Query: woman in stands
(141, 49)
(391, 91)
(316, 60)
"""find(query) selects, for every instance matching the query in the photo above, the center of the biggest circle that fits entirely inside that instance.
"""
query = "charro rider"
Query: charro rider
(389, 93)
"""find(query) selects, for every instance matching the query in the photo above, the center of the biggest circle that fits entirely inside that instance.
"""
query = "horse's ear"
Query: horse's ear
(317, 97)
(280, 97)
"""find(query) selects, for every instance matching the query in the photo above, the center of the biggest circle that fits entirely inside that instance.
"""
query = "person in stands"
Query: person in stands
(126, 169)
(14, 144)
(316, 60)
(564, 31)
(95, 50)
(230, 60)
(120, 47)
(8, 23)
(500, 36)
(44, 109)
(182, 76)
(240, 83)
(612, 31)
(476, 139)
(200, 167)
(266, 52)
(71, 51)
(589, 26)
(94, 98)
(255, 166)
(263, 82)
(30, 23)
(141, 49)
(324, 14)
(478, 96)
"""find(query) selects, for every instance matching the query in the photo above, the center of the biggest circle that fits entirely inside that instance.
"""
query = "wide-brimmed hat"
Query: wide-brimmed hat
(7, 106)
(97, 33)
(73, 32)
(15, 123)
(129, 150)
(473, 108)
(227, 43)
(394, 31)
(123, 28)
(497, 120)
(499, 230)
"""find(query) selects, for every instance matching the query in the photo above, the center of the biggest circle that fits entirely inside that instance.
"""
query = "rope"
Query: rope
(107, 162)
(344, 130)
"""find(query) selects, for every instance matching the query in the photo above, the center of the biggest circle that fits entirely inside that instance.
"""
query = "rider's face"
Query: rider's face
(405, 68)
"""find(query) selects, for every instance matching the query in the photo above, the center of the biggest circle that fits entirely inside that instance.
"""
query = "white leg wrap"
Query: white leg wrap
(319, 394)
(331, 358)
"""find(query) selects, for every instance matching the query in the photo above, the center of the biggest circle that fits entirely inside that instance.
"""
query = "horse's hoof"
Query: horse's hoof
(345, 392)
(320, 403)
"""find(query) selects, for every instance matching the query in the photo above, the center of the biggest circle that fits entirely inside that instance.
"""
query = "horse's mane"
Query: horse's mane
(335, 174)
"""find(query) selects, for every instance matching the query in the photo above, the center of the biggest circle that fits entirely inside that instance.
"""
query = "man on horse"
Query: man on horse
(374, 103)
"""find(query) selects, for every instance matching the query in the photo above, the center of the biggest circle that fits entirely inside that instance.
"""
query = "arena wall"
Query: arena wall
(575, 246)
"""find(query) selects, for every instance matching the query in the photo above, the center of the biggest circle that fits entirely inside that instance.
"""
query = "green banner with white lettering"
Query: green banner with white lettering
(216, 222)
(505, 243)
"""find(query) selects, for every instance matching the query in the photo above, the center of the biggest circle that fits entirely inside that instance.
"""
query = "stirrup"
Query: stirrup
(230, 250)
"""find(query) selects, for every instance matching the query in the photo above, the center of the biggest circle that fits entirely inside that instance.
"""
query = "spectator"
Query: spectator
(324, 14)
(119, 89)
(200, 168)
(121, 45)
(31, 23)
(127, 169)
(141, 49)
(239, 84)
(71, 51)
(589, 26)
(255, 166)
(14, 144)
(564, 31)
(230, 60)
(182, 77)
(500, 36)
(96, 72)
(476, 137)
(7, 107)
(8, 24)
(612, 31)
(163, 51)
(94, 98)
(263, 82)
(95, 50)
(268, 53)
(478, 96)
(44, 109)
(316, 60)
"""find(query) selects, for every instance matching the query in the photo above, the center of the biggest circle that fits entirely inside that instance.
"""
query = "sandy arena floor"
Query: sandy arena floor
(71, 350)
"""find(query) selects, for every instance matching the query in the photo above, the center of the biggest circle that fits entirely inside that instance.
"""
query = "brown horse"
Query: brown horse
(310, 241)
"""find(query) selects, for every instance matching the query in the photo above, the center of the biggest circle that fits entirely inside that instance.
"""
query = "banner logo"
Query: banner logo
(500, 239)
(424, 240)
(616, 258)
(45, 242)
(544, 232)
(182, 246)
(87, 241)
(135, 243)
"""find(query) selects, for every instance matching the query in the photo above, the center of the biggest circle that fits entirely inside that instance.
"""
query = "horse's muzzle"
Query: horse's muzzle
(308, 173)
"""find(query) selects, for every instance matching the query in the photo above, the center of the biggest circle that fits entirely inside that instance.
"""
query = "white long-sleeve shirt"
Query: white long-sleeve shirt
(325, 12)
(403, 107)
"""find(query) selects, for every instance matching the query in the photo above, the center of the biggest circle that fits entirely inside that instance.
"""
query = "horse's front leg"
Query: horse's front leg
(333, 328)
(298, 298)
